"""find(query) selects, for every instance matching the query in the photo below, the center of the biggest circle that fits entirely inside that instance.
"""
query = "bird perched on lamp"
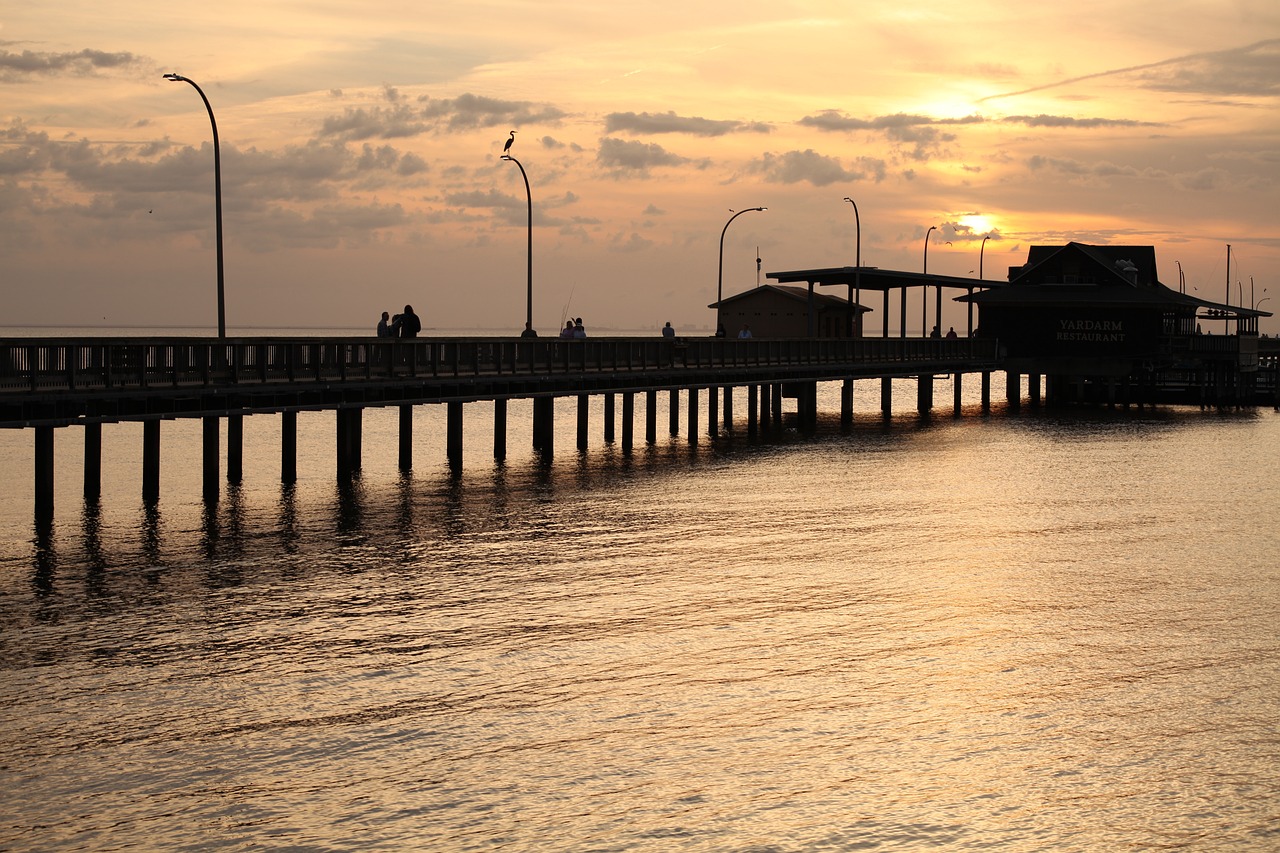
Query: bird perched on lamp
(507, 147)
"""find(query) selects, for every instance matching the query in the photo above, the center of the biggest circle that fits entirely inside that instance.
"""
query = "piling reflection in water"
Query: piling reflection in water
(944, 634)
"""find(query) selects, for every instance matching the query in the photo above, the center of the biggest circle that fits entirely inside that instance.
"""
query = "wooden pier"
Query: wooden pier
(47, 385)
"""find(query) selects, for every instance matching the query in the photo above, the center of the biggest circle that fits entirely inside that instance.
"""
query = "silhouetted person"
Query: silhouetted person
(936, 333)
(720, 332)
(951, 332)
(745, 333)
(579, 330)
(384, 325)
(668, 331)
(567, 331)
(408, 325)
(529, 331)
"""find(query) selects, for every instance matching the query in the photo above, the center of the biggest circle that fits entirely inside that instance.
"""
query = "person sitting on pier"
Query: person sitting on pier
(384, 325)
(951, 332)
(668, 331)
(936, 333)
(746, 332)
(529, 331)
(567, 331)
(579, 330)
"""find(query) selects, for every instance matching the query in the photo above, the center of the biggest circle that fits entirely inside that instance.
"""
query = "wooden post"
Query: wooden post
(650, 417)
(342, 445)
(986, 390)
(609, 405)
(753, 405)
(886, 395)
(544, 412)
(44, 474)
(406, 438)
(846, 402)
(673, 410)
(92, 462)
(777, 405)
(1033, 388)
(288, 447)
(500, 429)
(693, 415)
(584, 402)
(1013, 389)
(713, 411)
(235, 448)
(209, 445)
(151, 460)
(453, 433)
(628, 420)
(764, 406)
(957, 393)
(727, 408)
(924, 393)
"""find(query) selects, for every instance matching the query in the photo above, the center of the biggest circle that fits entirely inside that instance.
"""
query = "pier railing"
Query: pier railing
(46, 366)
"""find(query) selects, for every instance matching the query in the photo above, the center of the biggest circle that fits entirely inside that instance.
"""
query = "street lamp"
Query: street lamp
(217, 197)
(981, 250)
(528, 310)
(857, 274)
(720, 276)
(924, 290)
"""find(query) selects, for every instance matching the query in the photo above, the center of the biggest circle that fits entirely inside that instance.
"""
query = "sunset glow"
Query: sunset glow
(361, 151)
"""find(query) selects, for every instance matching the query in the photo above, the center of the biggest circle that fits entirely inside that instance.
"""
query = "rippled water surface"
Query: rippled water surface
(1025, 630)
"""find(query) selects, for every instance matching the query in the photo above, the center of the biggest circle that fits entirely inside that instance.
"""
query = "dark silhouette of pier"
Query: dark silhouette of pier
(47, 385)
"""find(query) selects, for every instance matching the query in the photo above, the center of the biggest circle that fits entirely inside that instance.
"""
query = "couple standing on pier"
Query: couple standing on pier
(406, 325)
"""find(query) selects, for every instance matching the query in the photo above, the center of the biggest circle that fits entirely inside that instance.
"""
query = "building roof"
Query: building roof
(798, 294)
(1125, 276)
(874, 278)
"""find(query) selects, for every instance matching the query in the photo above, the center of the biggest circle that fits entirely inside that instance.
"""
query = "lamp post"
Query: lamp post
(857, 274)
(217, 197)
(720, 275)
(981, 250)
(528, 311)
(1226, 324)
(924, 290)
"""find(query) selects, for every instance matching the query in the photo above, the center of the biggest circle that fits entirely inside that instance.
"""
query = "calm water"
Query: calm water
(1023, 631)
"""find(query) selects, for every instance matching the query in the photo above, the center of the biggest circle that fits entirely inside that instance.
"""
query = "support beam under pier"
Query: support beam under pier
(92, 462)
(44, 473)
(453, 433)
(693, 415)
(544, 417)
(151, 460)
(500, 429)
(628, 420)
(288, 447)
(405, 459)
(235, 448)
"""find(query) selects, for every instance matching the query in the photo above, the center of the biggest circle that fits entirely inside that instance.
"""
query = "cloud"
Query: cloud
(381, 122)
(16, 66)
(620, 155)
(834, 120)
(1068, 121)
(468, 111)
(818, 169)
(1249, 70)
(669, 122)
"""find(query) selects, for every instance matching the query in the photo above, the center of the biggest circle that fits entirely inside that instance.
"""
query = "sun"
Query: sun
(978, 223)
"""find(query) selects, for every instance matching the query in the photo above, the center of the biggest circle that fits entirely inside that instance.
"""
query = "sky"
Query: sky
(361, 153)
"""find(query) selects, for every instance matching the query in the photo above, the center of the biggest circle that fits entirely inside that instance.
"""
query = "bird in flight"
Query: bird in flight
(507, 147)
